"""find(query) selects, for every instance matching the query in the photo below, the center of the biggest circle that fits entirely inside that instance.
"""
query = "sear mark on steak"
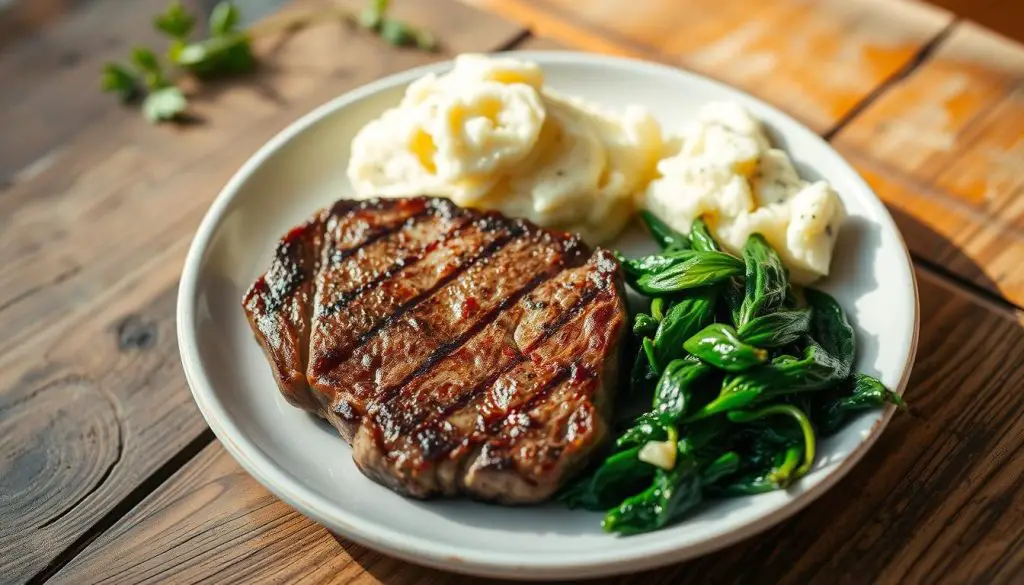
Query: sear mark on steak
(460, 352)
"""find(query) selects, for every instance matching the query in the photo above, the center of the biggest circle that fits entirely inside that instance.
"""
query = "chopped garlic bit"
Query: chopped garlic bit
(659, 454)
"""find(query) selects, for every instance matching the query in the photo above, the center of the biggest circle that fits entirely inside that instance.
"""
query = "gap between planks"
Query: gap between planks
(134, 498)
(206, 437)
(920, 58)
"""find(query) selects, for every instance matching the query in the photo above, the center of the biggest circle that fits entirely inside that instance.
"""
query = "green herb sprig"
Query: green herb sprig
(227, 52)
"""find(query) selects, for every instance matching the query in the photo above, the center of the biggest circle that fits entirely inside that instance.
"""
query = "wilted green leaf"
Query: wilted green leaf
(148, 64)
(224, 19)
(396, 33)
(175, 22)
(218, 56)
(118, 79)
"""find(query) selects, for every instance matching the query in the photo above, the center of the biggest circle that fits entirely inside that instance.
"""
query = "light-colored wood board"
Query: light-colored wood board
(92, 399)
(939, 499)
(945, 149)
(816, 60)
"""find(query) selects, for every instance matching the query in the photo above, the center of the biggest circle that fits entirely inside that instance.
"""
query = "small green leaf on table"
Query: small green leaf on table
(164, 104)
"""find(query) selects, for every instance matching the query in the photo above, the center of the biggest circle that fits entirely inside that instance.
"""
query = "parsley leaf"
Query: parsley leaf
(148, 64)
(218, 56)
(394, 32)
(399, 34)
(118, 79)
(224, 19)
(175, 22)
(164, 104)
(228, 51)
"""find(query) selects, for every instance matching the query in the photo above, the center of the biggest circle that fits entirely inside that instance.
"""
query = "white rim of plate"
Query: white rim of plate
(425, 552)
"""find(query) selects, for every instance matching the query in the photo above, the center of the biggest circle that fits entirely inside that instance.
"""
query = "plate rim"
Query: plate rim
(439, 555)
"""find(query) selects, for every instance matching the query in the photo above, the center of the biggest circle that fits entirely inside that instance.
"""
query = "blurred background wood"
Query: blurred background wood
(1003, 16)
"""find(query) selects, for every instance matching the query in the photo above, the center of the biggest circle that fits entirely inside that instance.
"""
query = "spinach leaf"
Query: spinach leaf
(658, 308)
(648, 348)
(701, 238)
(671, 494)
(786, 374)
(767, 454)
(618, 476)
(859, 392)
(766, 280)
(685, 318)
(732, 292)
(726, 464)
(776, 329)
(694, 270)
(663, 234)
(789, 471)
(719, 345)
(644, 325)
(674, 393)
(646, 427)
(737, 392)
(634, 268)
(641, 377)
(831, 329)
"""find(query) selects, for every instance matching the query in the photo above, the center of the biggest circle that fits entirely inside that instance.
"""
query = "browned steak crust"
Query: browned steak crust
(459, 352)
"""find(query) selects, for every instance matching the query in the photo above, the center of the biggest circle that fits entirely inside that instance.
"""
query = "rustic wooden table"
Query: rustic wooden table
(108, 472)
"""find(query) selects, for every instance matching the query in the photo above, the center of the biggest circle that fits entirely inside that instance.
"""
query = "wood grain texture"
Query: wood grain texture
(945, 147)
(939, 499)
(1003, 16)
(536, 43)
(816, 60)
(92, 237)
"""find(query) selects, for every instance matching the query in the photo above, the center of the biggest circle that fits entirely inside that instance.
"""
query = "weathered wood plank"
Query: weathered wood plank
(816, 60)
(945, 149)
(92, 400)
(939, 499)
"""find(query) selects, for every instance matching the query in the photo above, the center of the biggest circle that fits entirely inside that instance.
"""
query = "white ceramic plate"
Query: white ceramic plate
(306, 464)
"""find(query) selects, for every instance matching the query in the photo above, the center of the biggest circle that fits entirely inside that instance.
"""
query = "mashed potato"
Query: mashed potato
(489, 135)
(726, 171)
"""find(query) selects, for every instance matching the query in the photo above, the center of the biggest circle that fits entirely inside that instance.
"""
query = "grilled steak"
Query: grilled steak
(459, 352)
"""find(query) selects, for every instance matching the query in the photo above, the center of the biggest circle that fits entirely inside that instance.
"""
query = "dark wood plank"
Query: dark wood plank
(92, 400)
(1003, 16)
(940, 498)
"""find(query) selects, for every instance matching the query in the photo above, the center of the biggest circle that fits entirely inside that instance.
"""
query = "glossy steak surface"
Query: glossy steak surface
(459, 352)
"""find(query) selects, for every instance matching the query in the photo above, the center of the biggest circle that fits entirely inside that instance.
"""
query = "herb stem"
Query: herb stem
(300, 20)
(810, 443)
